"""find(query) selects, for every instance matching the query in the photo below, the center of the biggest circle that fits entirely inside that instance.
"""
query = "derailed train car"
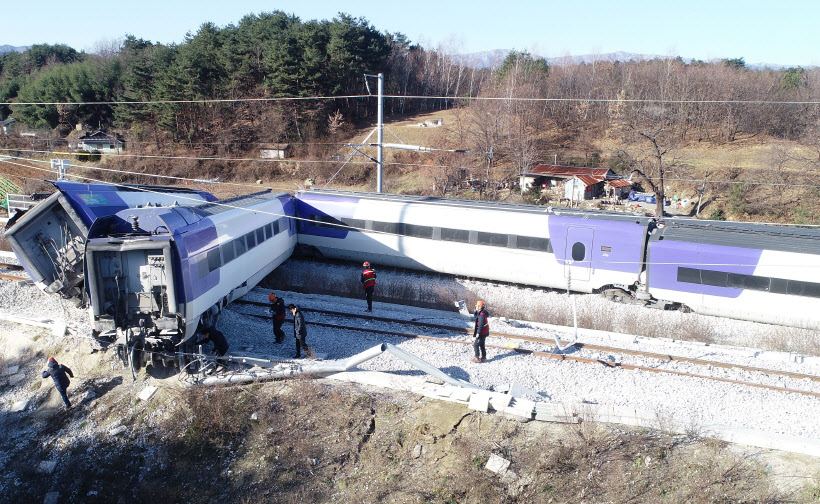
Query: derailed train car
(49, 239)
(752, 272)
(154, 275)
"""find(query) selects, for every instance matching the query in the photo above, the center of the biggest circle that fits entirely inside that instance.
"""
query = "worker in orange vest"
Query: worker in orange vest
(368, 283)
(480, 332)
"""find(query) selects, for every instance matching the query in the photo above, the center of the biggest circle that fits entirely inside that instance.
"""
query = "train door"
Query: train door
(578, 254)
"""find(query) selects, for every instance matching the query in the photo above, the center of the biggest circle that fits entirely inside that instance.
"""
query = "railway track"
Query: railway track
(8, 272)
(560, 356)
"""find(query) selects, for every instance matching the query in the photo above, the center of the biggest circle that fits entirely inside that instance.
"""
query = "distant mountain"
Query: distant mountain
(7, 48)
(493, 59)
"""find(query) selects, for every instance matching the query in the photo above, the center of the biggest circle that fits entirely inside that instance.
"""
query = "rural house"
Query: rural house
(99, 142)
(576, 183)
(274, 151)
(7, 126)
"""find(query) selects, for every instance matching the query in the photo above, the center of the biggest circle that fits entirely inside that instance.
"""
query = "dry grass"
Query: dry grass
(312, 442)
(305, 440)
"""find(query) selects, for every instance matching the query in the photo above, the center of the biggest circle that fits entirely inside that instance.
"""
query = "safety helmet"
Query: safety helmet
(479, 304)
(271, 296)
(366, 264)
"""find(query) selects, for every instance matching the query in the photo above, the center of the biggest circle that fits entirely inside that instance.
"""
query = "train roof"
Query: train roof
(93, 201)
(485, 205)
(244, 201)
(740, 234)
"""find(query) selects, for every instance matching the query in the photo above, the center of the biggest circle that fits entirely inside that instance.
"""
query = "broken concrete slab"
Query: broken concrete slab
(479, 402)
(496, 464)
(499, 401)
(517, 390)
(521, 409)
(147, 393)
(461, 394)
(11, 370)
(544, 417)
(19, 406)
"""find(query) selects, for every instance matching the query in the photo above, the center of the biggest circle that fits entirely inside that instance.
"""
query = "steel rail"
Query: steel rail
(586, 346)
(561, 357)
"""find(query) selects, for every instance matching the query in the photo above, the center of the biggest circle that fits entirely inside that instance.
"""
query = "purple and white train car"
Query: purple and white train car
(750, 272)
(49, 238)
(523, 244)
(154, 274)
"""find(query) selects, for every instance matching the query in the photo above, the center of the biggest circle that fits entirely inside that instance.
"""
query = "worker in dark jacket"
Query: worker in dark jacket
(480, 332)
(277, 310)
(299, 332)
(368, 283)
(58, 373)
(216, 337)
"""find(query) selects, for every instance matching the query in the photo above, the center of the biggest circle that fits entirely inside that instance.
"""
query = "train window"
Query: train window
(417, 231)
(798, 288)
(579, 251)
(533, 243)
(269, 230)
(456, 235)
(356, 224)
(715, 278)
(214, 260)
(689, 275)
(325, 221)
(240, 246)
(386, 227)
(202, 265)
(750, 282)
(260, 235)
(492, 239)
(779, 286)
(227, 252)
(250, 239)
(276, 226)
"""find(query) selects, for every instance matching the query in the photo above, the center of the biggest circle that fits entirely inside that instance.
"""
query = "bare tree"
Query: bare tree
(650, 128)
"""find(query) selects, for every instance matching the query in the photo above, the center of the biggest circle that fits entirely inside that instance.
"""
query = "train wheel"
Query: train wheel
(185, 358)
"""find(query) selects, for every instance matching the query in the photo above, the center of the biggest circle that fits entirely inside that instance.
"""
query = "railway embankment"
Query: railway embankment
(323, 440)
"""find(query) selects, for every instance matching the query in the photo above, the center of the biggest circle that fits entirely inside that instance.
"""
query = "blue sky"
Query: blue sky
(784, 32)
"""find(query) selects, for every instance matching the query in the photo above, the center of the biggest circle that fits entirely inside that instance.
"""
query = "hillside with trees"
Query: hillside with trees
(275, 78)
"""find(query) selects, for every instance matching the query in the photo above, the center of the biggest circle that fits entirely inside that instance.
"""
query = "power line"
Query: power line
(421, 97)
(603, 100)
(203, 101)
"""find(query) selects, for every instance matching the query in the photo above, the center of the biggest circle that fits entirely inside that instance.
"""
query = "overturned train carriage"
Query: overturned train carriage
(155, 274)
(49, 239)
(751, 272)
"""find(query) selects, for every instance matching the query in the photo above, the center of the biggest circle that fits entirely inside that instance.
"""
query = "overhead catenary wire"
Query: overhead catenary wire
(422, 97)
(201, 101)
